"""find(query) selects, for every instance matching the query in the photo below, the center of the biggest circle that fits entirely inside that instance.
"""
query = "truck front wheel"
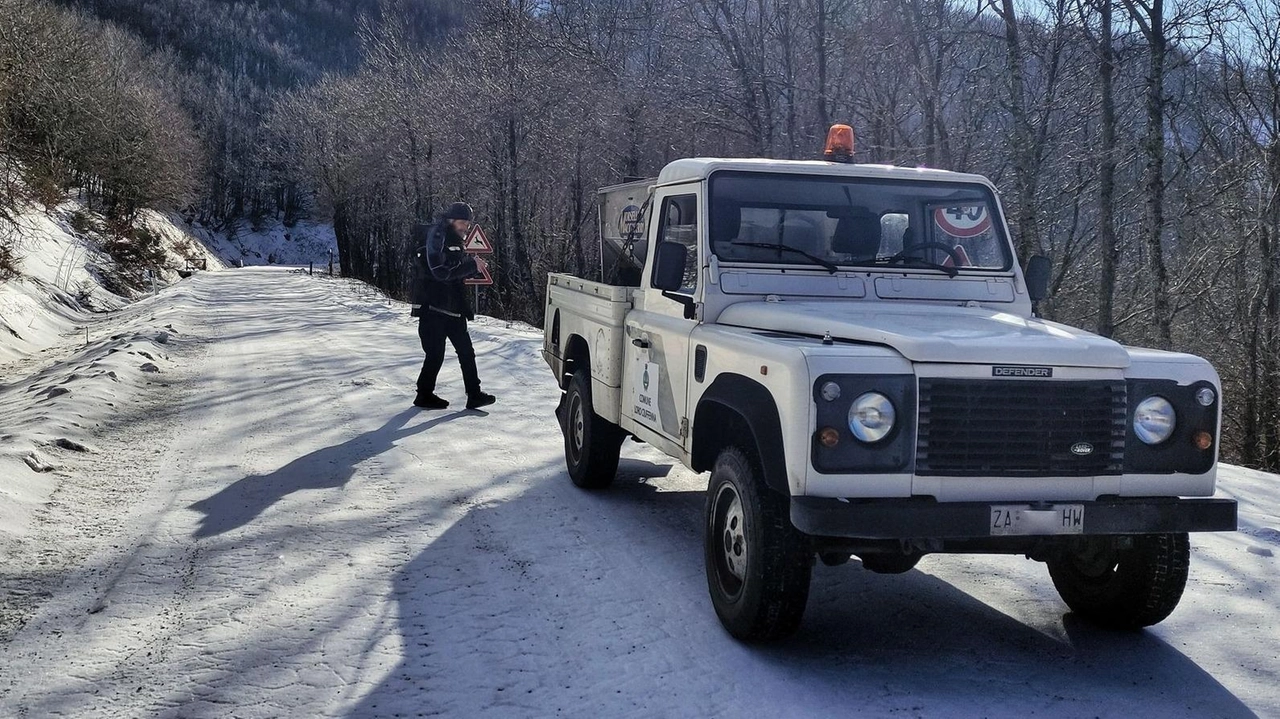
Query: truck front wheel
(758, 564)
(1123, 584)
(591, 443)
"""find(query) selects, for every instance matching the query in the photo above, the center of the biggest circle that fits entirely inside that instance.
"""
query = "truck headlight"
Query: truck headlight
(1154, 420)
(871, 417)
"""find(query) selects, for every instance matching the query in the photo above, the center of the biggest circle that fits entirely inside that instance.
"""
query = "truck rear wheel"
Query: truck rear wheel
(1123, 587)
(758, 564)
(591, 443)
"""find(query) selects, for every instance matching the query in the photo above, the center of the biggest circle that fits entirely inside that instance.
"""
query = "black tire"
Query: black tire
(1123, 587)
(591, 443)
(758, 564)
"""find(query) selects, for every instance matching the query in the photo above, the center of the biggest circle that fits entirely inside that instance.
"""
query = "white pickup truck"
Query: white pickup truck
(852, 351)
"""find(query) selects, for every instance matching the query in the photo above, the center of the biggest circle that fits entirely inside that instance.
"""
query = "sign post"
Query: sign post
(476, 244)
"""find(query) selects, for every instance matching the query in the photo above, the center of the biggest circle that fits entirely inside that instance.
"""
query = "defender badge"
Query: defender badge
(1021, 371)
(1082, 449)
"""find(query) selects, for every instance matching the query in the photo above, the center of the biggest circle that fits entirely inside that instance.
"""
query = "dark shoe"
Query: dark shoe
(430, 401)
(480, 399)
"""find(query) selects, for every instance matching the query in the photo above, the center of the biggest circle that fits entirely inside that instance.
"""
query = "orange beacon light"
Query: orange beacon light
(839, 144)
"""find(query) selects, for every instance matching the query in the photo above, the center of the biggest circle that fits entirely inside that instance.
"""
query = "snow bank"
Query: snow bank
(54, 412)
(71, 351)
(271, 242)
(61, 277)
(56, 281)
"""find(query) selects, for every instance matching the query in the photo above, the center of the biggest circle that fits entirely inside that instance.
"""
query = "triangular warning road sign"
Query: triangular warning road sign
(486, 278)
(477, 242)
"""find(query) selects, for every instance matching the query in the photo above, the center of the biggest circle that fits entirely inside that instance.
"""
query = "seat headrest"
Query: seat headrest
(726, 222)
(857, 234)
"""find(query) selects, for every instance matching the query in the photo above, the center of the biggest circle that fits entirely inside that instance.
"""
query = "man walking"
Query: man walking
(442, 305)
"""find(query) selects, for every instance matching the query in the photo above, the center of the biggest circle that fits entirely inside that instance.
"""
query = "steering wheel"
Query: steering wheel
(911, 252)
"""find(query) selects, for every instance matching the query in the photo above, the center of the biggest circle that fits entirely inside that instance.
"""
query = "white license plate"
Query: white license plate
(1022, 519)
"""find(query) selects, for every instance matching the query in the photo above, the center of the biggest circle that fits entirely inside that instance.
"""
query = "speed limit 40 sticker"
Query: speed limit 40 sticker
(963, 220)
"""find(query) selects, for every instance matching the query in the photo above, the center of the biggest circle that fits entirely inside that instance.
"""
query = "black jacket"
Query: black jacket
(438, 269)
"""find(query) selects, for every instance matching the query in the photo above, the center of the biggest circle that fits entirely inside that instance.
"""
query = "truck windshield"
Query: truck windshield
(809, 219)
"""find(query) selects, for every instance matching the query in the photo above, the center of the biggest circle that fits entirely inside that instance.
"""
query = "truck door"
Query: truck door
(656, 380)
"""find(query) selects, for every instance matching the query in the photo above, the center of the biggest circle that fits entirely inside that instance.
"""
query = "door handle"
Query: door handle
(642, 344)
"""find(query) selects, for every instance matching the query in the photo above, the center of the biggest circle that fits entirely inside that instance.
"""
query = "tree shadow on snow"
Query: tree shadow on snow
(329, 468)
(569, 602)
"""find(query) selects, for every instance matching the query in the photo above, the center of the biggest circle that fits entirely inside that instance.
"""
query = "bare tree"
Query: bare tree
(538, 103)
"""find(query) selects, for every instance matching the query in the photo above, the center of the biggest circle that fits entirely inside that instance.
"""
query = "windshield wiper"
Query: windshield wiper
(904, 258)
(827, 265)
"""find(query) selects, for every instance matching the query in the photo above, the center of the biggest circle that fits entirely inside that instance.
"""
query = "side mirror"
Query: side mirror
(668, 266)
(1039, 269)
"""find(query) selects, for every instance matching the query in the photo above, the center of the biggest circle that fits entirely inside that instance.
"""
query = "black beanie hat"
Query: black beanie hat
(458, 211)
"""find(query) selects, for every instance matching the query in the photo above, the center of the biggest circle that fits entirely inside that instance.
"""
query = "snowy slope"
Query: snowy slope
(271, 243)
(272, 530)
(52, 338)
(59, 282)
(40, 305)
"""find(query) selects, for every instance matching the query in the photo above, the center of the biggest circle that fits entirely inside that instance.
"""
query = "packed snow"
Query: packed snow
(262, 525)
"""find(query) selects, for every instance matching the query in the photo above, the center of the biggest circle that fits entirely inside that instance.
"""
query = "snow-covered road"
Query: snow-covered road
(274, 531)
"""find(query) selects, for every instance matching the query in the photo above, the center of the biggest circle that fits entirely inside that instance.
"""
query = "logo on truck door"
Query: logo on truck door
(645, 401)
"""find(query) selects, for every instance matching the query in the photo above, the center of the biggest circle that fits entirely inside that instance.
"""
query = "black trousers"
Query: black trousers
(433, 329)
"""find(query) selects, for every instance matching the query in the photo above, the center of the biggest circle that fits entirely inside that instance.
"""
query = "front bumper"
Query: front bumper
(924, 518)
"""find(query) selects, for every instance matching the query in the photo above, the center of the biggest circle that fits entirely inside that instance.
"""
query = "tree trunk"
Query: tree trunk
(1270, 370)
(1028, 242)
(1107, 244)
(521, 281)
(789, 79)
(342, 233)
(576, 250)
(820, 46)
(1151, 19)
